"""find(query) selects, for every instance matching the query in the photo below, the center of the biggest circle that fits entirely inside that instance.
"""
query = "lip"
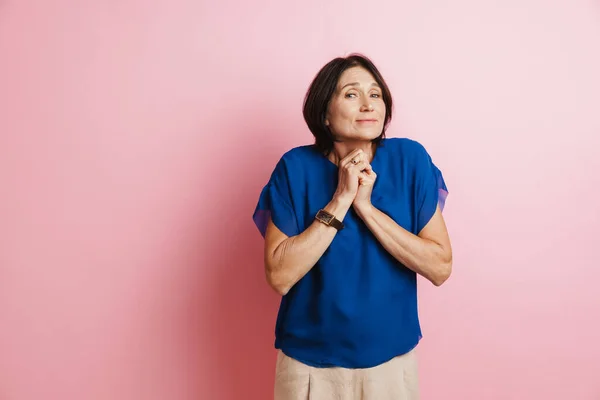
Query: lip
(366, 120)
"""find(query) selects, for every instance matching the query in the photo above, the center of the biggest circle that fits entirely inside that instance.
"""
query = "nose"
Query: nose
(367, 107)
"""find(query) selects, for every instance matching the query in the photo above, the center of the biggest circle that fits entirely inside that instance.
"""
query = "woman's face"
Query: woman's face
(356, 110)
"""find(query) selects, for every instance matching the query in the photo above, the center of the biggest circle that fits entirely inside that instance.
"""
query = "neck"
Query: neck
(342, 149)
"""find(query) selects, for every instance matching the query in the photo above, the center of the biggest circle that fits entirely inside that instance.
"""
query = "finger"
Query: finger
(360, 166)
(371, 174)
(354, 155)
(363, 180)
(352, 164)
(365, 177)
(354, 161)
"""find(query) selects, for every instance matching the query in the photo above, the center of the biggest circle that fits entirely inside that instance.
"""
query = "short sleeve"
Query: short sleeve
(275, 202)
(430, 188)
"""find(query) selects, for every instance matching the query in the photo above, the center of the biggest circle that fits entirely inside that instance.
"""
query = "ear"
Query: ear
(326, 122)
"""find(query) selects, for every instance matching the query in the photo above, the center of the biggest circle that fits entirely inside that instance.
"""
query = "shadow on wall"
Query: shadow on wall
(239, 310)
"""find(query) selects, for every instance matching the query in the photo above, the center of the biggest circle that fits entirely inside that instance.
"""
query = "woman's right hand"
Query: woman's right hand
(349, 171)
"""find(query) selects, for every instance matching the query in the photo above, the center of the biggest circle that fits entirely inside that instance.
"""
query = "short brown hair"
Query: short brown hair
(322, 88)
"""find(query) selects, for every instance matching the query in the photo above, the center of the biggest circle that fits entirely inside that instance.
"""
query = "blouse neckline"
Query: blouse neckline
(376, 156)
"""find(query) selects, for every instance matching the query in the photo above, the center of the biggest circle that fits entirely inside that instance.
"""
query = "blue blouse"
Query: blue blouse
(357, 307)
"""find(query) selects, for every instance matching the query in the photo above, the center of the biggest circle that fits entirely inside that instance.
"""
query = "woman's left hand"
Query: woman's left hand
(366, 181)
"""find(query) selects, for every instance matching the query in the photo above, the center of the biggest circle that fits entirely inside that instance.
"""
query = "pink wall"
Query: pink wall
(136, 136)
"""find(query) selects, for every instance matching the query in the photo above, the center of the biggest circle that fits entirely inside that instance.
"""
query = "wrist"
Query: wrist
(341, 200)
(364, 209)
(338, 206)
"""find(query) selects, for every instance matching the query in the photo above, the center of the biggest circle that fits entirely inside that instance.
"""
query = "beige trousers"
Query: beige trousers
(396, 379)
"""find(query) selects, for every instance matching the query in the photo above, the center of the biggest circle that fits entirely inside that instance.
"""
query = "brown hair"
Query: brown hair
(322, 88)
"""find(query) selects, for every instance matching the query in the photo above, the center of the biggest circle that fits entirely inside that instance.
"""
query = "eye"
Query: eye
(375, 95)
(350, 95)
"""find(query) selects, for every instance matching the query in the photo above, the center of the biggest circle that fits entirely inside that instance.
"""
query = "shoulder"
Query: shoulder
(407, 148)
(299, 153)
(291, 160)
(297, 156)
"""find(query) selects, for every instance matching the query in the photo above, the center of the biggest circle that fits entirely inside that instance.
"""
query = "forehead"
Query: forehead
(356, 74)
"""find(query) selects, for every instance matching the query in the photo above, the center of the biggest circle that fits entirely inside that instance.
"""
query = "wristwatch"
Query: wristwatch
(329, 219)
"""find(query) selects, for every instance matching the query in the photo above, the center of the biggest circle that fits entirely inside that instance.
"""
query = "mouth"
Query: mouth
(365, 121)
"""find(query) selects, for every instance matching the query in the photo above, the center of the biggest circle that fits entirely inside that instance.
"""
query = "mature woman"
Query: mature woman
(348, 224)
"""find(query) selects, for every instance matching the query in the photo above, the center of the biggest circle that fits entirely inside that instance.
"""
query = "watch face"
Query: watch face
(325, 217)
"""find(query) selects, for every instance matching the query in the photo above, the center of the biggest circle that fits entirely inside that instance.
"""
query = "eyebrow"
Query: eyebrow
(374, 84)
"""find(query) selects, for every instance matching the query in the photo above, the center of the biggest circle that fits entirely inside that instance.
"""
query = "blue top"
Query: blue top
(357, 307)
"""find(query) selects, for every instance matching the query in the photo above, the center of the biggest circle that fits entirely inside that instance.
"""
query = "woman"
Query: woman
(348, 223)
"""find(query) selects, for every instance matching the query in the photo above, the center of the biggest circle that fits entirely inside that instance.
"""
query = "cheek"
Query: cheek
(341, 115)
(382, 114)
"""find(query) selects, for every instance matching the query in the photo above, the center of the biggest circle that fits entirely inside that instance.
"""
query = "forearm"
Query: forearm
(296, 255)
(425, 257)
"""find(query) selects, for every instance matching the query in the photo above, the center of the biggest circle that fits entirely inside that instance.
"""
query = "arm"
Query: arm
(428, 254)
(288, 259)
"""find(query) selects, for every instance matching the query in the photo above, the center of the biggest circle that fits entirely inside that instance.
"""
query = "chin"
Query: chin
(369, 135)
(361, 135)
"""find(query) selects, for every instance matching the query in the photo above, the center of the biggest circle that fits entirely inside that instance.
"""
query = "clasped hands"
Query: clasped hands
(356, 180)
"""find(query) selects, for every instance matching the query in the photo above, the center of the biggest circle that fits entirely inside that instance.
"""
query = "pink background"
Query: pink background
(135, 139)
